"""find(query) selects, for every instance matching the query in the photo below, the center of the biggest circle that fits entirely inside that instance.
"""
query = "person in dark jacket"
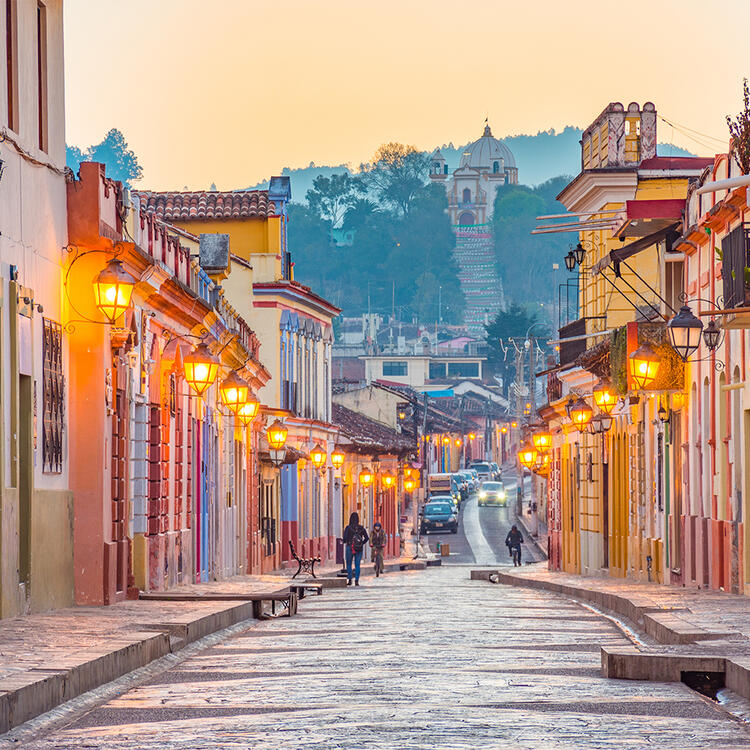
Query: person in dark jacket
(355, 538)
(378, 541)
(514, 540)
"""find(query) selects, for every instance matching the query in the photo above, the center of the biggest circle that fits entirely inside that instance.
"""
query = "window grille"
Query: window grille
(54, 398)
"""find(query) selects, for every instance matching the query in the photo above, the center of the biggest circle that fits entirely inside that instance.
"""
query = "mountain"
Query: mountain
(539, 157)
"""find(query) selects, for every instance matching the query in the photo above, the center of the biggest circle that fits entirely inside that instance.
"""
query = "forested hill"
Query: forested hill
(539, 158)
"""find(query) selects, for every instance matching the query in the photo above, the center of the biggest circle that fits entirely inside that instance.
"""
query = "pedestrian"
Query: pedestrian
(355, 538)
(377, 542)
(513, 541)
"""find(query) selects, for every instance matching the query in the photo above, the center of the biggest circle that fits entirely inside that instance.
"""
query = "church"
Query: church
(486, 164)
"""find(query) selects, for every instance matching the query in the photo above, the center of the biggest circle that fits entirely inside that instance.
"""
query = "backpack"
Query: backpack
(358, 538)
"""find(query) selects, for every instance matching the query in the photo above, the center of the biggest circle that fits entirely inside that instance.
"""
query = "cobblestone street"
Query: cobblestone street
(413, 660)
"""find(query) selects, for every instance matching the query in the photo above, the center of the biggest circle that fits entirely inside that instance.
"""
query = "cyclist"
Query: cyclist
(377, 542)
(514, 540)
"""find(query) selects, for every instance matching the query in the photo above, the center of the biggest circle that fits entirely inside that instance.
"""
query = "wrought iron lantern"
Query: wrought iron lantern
(580, 413)
(113, 288)
(388, 480)
(542, 441)
(200, 368)
(472, 436)
(366, 477)
(712, 335)
(685, 332)
(276, 435)
(337, 457)
(409, 485)
(527, 456)
(644, 366)
(604, 398)
(234, 392)
(318, 456)
(579, 254)
(249, 410)
(570, 261)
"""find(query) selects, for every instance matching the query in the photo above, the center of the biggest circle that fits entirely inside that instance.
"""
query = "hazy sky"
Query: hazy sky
(231, 91)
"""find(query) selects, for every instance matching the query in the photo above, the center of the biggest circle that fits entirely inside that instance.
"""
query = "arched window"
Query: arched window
(495, 167)
(466, 219)
(436, 167)
(467, 195)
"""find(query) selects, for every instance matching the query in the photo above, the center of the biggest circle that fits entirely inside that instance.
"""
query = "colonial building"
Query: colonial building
(294, 326)
(486, 165)
(36, 505)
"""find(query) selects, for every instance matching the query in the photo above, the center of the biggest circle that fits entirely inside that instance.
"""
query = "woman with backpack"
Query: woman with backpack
(355, 538)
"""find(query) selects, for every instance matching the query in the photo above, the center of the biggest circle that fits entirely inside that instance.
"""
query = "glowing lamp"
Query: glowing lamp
(408, 472)
(446, 440)
(318, 456)
(337, 457)
(234, 392)
(580, 414)
(459, 442)
(527, 456)
(514, 425)
(472, 436)
(542, 441)
(678, 401)
(644, 366)
(604, 398)
(388, 480)
(366, 477)
(541, 465)
(685, 332)
(276, 435)
(249, 410)
(410, 485)
(113, 288)
(200, 368)
(503, 429)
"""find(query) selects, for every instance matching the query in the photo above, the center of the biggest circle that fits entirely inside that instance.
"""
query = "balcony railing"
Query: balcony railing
(735, 268)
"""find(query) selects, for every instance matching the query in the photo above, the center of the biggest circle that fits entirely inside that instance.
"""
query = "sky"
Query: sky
(231, 91)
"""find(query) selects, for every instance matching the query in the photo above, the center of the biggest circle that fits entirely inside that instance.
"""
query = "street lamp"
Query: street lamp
(234, 392)
(337, 457)
(318, 456)
(580, 413)
(570, 261)
(249, 410)
(604, 398)
(527, 456)
(712, 335)
(459, 442)
(542, 441)
(366, 477)
(685, 332)
(276, 435)
(388, 480)
(579, 253)
(200, 368)
(113, 288)
(472, 436)
(644, 366)
(409, 485)
(446, 440)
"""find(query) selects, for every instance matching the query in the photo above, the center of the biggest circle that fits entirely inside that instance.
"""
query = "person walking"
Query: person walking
(377, 542)
(513, 541)
(355, 538)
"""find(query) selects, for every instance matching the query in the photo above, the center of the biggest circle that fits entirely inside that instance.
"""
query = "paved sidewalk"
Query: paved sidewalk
(685, 629)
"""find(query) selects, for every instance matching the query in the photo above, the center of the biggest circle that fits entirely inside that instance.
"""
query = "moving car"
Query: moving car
(439, 515)
(483, 470)
(496, 471)
(493, 493)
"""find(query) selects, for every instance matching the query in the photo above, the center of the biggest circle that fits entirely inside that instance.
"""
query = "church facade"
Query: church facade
(486, 165)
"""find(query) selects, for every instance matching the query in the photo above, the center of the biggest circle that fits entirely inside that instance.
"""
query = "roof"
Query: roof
(620, 254)
(368, 434)
(677, 162)
(485, 150)
(205, 204)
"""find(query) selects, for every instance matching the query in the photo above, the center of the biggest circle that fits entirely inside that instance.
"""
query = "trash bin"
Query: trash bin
(339, 551)
(445, 550)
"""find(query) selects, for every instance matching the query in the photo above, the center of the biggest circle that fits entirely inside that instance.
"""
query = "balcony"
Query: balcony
(735, 276)
(571, 350)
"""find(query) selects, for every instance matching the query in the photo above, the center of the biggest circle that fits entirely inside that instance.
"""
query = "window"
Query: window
(437, 370)
(11, 61)
(41, 69)
(463, 369)
(467, 195)
(495, 167)
(673, 282)
(395, 368)
(53, 385)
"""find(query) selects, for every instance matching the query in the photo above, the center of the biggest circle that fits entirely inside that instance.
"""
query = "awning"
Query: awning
(623, 253)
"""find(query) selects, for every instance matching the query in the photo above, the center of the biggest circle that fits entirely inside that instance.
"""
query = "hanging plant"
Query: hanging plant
(739, 132)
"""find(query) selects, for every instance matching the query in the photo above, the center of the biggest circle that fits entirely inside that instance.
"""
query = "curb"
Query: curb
(25, 695)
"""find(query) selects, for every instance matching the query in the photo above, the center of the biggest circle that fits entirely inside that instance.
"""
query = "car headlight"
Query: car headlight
(501, 495)
(482, 494)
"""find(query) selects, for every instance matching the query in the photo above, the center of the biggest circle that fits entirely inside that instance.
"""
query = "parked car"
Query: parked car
(483, 470)
(492, 493)
(439, 515)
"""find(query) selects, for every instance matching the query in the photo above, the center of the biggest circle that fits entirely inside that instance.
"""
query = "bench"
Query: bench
(307, 587)
(304, 564)
(288, 601)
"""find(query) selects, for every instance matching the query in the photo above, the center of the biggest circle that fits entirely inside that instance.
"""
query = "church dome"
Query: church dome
(482, 153)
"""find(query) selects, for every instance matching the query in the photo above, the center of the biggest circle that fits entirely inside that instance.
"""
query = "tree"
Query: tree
(122, 163)
(739, 130)
(330, 197)
(396, 175)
